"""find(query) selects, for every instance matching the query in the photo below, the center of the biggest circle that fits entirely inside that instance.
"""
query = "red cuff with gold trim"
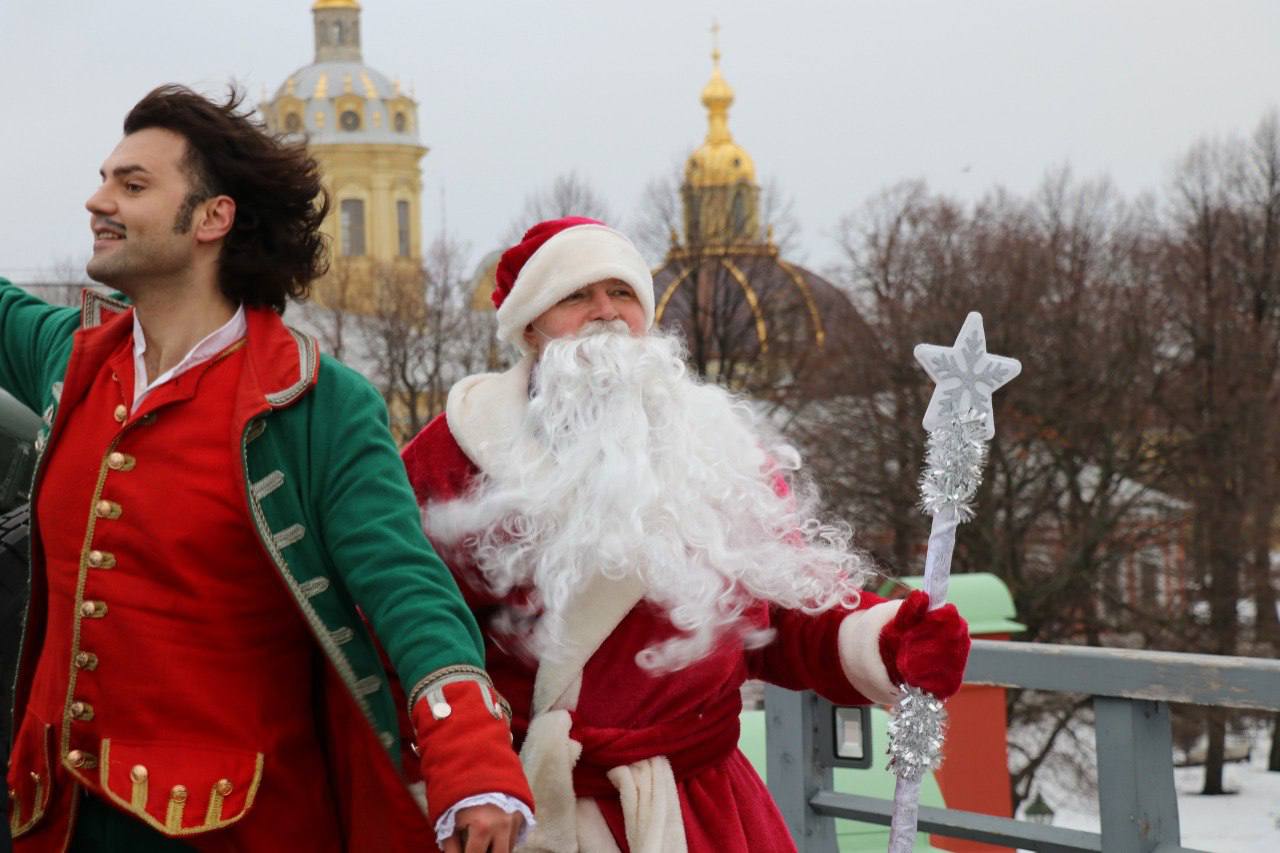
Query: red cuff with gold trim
(464, 746)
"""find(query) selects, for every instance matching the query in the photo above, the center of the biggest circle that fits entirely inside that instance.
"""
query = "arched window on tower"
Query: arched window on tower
(692, 216)
(402, 228)
(337, 33)
(351, 224)
(739, 221)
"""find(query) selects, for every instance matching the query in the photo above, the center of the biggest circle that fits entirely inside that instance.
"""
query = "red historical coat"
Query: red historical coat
(623, 713)
(170, 668)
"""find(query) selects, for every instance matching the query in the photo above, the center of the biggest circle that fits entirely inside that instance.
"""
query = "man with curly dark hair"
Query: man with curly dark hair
(225, 547)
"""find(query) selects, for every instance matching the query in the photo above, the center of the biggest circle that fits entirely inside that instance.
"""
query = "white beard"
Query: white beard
(626, 465)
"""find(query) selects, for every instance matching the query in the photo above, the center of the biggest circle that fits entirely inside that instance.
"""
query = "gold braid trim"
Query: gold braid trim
(474, 673)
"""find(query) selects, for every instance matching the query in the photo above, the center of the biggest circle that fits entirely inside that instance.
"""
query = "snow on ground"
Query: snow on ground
(1247, 821)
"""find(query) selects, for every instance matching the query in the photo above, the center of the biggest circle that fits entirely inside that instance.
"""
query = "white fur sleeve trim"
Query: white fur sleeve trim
(859, 643)
(445, 826)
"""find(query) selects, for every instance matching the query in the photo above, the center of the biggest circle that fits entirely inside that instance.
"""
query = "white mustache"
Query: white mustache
(595, 327)
(604, 327)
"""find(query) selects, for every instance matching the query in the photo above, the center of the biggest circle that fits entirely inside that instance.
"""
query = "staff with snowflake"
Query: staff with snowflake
(960, 422)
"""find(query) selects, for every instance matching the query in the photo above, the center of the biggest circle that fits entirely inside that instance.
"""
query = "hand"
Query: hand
(484, 829)
(926, 648)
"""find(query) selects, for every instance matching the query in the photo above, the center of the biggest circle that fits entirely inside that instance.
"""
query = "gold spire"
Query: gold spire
(335, 4)
(717, 96)
(719, 161)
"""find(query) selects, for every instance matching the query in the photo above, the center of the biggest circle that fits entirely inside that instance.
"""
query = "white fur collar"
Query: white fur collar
(485, 410)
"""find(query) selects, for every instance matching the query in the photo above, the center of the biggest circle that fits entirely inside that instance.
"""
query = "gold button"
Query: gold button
(138, 773)
(121, 413)
(35, 777)
(118, 461)
(178, 794)
(86, 660)
(223, 787)
(107, 509)
(81, 711)
(93, 609)
(81, 760)
(101, 559)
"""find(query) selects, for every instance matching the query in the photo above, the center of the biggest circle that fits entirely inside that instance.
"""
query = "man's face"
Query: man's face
(136, 214)
(606, 300)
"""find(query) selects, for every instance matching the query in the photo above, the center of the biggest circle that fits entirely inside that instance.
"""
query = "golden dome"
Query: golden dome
(335, 4)
(717, 94)
(719, 161)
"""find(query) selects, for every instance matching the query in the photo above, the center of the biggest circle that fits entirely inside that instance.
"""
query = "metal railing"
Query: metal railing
(1131, 693)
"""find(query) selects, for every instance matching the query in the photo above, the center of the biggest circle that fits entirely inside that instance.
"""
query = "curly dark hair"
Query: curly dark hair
(274, 249)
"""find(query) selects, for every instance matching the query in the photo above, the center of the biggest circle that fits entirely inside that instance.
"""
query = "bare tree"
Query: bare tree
(661, 222)
(568, 194)
(1067, 282)
(1222, 275)
(656, 227)
(409, 329)
(332, 312)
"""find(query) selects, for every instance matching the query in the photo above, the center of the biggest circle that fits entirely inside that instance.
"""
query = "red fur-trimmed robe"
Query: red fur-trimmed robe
(619, 714)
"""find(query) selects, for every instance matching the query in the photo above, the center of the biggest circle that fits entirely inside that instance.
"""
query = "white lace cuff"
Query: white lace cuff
(445, 825)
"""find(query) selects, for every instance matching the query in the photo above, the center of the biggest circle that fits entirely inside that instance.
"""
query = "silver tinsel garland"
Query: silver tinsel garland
(953, 465)
(952, 473)
(916, 732)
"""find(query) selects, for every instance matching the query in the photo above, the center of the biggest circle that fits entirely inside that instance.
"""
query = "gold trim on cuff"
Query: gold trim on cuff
(457, 672)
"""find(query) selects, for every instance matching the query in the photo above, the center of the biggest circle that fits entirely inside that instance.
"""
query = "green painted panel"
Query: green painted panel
(981, 597)
(874, 781)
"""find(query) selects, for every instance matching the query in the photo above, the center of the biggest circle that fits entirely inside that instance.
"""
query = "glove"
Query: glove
(926, 648)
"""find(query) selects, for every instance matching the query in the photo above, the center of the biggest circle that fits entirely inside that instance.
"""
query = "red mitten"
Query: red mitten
(464, 746)
(926, 648)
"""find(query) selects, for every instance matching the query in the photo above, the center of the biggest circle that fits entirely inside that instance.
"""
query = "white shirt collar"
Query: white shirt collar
(212, 344)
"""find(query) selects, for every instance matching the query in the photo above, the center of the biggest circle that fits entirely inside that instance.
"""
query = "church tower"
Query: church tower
(720, 196)
(751, 319)
(363, 129)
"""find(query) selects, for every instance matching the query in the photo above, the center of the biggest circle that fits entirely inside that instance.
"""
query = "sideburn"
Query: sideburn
(182, 221)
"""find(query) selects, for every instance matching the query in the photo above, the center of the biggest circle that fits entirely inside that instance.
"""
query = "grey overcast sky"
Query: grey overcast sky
(836, 99)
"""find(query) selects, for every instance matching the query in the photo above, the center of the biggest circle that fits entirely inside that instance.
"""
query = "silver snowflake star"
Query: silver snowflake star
(966, 376)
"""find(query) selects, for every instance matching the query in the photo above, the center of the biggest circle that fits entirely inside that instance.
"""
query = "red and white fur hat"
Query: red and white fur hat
(556, 258)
